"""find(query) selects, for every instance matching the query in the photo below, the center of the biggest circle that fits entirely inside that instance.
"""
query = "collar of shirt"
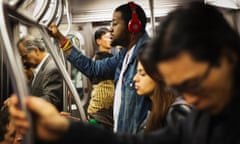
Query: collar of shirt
(36, 70)
(129, 53)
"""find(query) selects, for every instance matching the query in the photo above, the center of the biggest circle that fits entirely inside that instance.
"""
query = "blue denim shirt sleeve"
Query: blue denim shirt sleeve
(104, 68)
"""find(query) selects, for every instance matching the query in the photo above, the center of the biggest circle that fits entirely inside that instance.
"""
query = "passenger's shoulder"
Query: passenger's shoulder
(178, 111)
(181, 105)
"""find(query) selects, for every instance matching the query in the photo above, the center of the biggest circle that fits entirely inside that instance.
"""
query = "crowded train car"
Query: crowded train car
(28, 41)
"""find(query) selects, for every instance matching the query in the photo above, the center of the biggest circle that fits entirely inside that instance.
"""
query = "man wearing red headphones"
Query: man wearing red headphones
(127, 30)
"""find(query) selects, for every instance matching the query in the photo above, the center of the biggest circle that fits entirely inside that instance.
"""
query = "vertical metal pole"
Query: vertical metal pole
(61, 67)
(1, 76)
(152, 18)
(68, 100)
(15, 70)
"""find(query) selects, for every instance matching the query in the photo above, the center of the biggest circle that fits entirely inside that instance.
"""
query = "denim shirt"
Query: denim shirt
(134, 108)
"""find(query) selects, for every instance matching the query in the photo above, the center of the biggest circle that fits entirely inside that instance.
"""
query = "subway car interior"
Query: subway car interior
(76, 19)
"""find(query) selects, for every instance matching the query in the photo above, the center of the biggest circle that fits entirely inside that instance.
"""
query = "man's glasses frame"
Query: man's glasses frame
(178, 90)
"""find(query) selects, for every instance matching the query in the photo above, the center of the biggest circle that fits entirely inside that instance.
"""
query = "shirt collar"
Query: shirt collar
(36, 70)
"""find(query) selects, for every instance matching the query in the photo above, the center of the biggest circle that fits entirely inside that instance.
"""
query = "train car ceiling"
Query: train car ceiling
(101, 10)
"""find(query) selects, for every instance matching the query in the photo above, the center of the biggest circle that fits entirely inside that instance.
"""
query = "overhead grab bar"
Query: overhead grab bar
(69, 17)
(59, 14)
(37, 8)
(50, 13)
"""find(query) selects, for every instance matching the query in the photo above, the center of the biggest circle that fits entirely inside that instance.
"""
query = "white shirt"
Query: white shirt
(118, 91)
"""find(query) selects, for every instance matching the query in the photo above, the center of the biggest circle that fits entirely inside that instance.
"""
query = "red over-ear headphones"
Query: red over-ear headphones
(134, 25)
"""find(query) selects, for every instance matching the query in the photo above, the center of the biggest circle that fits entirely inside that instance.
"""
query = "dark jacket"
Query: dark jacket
(98, 56)
(178, 111)
(198, 128)
(48, 84)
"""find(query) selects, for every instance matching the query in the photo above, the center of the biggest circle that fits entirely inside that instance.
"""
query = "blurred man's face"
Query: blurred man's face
(205, 86)
(10, 134)
(18, 138)
(29, 58)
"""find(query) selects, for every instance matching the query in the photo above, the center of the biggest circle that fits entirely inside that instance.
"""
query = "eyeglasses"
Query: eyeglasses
(190, 86)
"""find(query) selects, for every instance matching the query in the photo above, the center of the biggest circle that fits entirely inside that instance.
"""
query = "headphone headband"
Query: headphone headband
(134, 25)
(132, 6)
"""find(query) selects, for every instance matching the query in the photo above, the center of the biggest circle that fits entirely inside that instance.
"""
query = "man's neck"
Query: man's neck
(102, 49)
(133, 40)
(42, 56)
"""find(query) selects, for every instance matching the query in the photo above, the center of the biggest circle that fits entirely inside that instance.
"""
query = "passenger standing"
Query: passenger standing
(47, 81)
(100, 106)
(127, 30)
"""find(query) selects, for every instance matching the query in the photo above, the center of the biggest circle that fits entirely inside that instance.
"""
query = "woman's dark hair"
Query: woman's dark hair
(143, 58)
(127, 14)
(161, 99)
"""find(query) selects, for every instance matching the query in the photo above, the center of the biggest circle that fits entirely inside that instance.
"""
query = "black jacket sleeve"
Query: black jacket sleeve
(91, 134)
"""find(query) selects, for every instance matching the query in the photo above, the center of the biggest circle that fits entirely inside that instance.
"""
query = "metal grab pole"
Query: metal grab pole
(15, 70)
(15, 15)
(152, 18)
(52, 49)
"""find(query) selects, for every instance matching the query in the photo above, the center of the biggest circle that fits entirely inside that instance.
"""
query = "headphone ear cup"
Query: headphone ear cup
(134, 25)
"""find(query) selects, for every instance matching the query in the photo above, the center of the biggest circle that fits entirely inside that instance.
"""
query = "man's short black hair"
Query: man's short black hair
(197, 28)
(202, 31)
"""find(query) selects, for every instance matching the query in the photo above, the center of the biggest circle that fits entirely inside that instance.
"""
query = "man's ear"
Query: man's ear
(36, 50)
(98, 41)
(231, 56)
